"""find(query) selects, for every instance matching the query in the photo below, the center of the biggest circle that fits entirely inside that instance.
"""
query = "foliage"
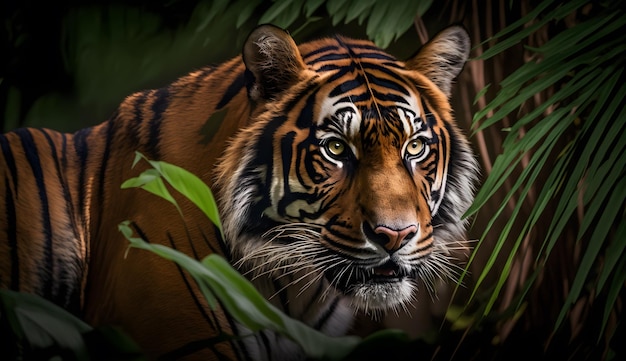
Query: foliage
(575, 137)
(97, 52)
(33, 328)
(562, 157)
(374, 13)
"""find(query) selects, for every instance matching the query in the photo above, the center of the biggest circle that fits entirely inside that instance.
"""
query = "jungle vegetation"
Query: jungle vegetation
(542, 99)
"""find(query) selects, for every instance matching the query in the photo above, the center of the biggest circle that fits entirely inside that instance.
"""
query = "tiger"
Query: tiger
(340, 173)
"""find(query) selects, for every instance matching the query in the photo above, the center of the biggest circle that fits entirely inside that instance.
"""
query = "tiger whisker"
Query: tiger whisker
(336, 279)
(293, 282)
(296, 268)
(314, 280)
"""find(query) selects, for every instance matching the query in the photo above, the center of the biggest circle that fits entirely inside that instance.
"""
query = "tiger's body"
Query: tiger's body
(340, 174)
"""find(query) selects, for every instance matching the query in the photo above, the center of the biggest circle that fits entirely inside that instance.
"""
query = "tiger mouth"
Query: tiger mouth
(348, 281)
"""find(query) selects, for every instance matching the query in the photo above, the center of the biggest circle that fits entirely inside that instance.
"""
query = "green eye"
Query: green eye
(336, 147)
(416, 147)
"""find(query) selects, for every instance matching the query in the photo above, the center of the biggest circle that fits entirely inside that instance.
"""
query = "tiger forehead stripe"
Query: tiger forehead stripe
(361, 74)
(347, 49)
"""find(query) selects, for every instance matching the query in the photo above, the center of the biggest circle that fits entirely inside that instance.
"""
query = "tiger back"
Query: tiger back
(340, 173)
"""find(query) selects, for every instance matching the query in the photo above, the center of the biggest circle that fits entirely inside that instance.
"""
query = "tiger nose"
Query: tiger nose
(394, 239)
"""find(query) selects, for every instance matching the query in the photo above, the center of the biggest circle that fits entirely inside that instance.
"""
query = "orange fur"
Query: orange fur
(215, 123)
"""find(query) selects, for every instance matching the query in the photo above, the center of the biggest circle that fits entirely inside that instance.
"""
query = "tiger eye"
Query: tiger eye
(415, 147)
(336, 147)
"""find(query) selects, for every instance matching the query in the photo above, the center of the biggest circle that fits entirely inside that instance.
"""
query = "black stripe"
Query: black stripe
(109, 133)
(444, 214)
(377, 56)
(330, 67)
(81, 148)
(319, 51)
(159, 106)
(282, 295)
(68, 294)
(389, 97)
(134, 126)
(346, 251)
(302, 122)
(329, 57)
(215, 325)
(327, 314)
(212, 126)
(286, 143)
(60, 175)
(11, 225)
(342, 71)
(222, 243)
(264, 154)
(362, 46)
(222, 248)
(233, 89)
(64, 152)
(74, 297)
(347, 86)
(199, 304)
(305, 118)
(139, 106)
(385, 83)
(427, 111)
(354, 98)
(376, 53)
(314, 300)
(46, 267)
(267, 345)
(194, 84)
(9, 159)
(383, 68)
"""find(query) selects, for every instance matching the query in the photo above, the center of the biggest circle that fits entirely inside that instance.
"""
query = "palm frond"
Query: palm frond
(574, 137)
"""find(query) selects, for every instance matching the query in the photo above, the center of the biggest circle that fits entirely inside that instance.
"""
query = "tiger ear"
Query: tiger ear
(273, 62)
(442, 58)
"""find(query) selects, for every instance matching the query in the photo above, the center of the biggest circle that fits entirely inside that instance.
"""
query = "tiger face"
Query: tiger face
(352, 176)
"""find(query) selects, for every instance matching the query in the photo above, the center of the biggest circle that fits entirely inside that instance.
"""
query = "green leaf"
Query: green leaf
(565, 208)
(37, 328)
(246, 12)
(531, 172)
(375, 20)
(403, 17)
(39, 324)
(192, 187)
(359, 8)
(217, 8)
(617, 285)
(160, 250)
(613, 255)
(150, 180)
(288, 15)
(183, 181)
(243, 302)
(481, 93)
(252, 309)
(310, 6)
(612, 211)
(535, 22)
(277, 9)
(333, 6)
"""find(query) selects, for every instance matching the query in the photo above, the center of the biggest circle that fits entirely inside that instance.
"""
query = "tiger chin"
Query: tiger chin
(340, 174)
